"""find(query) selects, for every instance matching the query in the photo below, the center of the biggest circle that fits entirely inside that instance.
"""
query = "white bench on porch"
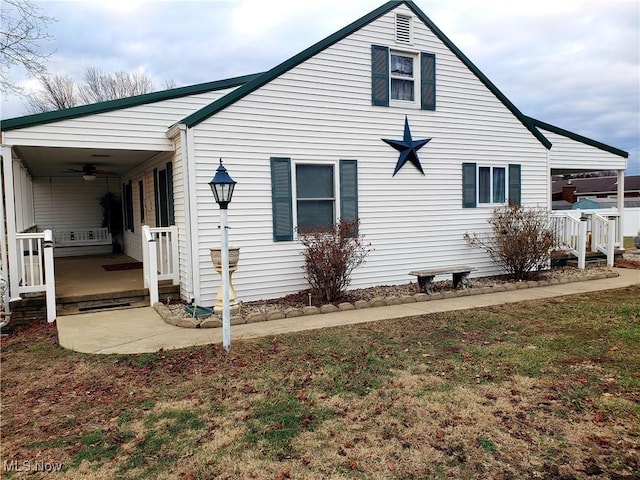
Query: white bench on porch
(82, 238)
(426, 275)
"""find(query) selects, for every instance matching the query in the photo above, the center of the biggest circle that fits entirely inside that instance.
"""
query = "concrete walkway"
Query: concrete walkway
(142, 330)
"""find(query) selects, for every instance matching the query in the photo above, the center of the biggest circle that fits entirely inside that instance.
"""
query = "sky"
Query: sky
(572, 63)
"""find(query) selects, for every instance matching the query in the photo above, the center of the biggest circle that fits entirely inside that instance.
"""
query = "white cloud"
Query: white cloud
(573, 63)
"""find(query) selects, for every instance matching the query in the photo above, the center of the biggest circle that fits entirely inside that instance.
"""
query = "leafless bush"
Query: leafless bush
(330, 256)
(520, 242)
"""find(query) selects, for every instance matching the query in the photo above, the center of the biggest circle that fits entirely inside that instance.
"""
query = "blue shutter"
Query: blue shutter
(171, 218)
(515, 185)
(428, 81)
(349, 191)
(379, 76)
(281, 199)
(468, 185)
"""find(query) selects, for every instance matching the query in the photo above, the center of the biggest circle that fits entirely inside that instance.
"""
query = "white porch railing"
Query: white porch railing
(604, 235)
(572, 234)
(35, 267)
(160, 257)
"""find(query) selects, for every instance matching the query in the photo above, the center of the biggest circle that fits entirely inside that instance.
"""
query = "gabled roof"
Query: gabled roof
(111, 105)
(261, 80)
(578, 138)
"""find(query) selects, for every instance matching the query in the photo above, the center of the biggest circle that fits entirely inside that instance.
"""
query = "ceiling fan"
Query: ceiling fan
(89, 172)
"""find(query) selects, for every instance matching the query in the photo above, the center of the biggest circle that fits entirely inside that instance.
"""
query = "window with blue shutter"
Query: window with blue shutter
(314, 195)
(487, 185)
(281, 199)
(394, 78)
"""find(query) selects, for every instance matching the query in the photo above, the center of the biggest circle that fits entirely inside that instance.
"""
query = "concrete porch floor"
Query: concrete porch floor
(85, 275)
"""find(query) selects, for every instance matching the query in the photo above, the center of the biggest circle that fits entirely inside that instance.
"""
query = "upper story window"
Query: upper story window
(402, 76)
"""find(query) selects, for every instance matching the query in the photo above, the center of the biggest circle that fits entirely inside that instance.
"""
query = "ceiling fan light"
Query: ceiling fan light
(89, 177)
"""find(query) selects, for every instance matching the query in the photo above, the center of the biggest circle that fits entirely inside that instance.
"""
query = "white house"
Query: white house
(319, 137)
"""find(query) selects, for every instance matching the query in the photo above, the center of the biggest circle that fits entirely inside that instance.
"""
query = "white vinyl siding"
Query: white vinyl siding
(142, 127)
(569, 154)
(69, 204)
(316, 113)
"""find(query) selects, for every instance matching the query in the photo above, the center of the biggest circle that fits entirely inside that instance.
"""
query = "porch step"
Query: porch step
(592, 259)
(112, 301)
(33, 306)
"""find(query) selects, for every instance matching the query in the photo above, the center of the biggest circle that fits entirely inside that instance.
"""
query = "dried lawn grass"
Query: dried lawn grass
(545, 390)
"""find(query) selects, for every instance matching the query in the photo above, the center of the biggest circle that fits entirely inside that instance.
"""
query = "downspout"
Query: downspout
(12, 246)
(191, 237)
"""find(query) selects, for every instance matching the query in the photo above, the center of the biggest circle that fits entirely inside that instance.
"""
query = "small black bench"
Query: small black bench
(426, 275)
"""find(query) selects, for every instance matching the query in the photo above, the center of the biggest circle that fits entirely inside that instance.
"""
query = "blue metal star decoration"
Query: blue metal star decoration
(408, 148)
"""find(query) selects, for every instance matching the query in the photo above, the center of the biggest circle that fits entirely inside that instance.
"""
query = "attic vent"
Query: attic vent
(403, 29)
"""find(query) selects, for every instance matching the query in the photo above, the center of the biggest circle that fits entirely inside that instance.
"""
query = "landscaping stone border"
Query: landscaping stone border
(184, 321)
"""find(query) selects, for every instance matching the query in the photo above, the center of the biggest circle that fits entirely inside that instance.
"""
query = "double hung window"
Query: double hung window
(490, 185)
(315, 196)
(310, 194)
(402, 77)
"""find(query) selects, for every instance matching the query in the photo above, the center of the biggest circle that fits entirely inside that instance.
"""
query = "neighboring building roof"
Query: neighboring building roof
(598, 203)
(561, 205)
(598, 185)
(102, 107)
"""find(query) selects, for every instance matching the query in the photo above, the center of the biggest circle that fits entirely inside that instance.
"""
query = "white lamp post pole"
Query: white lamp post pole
(222, 186)
(226, 310)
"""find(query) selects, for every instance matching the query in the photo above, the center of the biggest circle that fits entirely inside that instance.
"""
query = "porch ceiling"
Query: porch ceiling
(56, 161)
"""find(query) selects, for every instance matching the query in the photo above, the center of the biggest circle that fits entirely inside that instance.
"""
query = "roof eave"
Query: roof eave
(119, 104)
(578, 138)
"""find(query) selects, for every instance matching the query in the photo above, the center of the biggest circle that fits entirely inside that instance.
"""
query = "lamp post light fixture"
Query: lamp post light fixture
(222, 186)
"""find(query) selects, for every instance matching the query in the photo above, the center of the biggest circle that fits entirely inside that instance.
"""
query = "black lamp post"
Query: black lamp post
(222, 186)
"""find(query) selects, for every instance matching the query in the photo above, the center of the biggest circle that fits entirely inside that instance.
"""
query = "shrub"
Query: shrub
(330, 256)
(520, 242)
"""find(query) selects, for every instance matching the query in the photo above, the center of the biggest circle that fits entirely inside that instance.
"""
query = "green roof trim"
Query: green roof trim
(220, 104)
(111, 105)
(578, 138)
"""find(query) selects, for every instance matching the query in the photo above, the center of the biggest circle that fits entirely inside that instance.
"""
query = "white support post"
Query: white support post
(611, 240)
(620, 199)
(175, 264)
(50, 285)
(582, 245)
(150, 264)
(226, 308)
(12, 244)
(152, 280)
